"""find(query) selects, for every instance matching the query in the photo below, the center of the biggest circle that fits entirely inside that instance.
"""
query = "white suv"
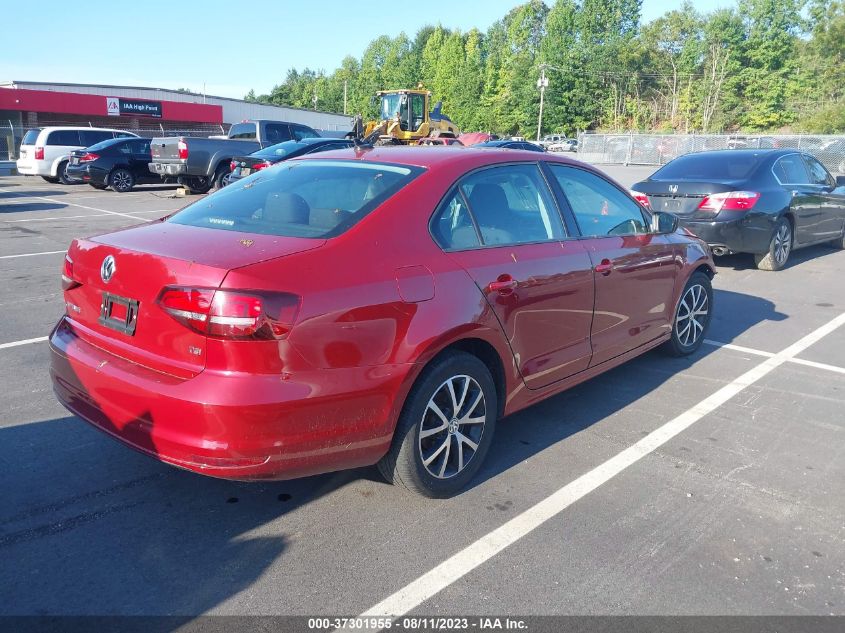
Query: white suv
(45, 152)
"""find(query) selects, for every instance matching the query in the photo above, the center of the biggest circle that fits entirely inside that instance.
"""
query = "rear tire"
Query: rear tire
(692, 316)
(61, 174)
(121, 180)
(100, 187)
(198, 184)
(780, 248)
(50, 179)
(445, 429)
(839, 242)
(221, 176)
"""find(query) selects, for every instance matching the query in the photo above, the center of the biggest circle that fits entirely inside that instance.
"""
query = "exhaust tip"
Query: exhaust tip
(718, 251)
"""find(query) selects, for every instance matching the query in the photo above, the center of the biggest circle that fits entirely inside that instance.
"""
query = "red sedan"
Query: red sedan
(369, 306)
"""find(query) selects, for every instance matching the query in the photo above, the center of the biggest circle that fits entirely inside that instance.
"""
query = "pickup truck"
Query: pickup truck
(202, 163)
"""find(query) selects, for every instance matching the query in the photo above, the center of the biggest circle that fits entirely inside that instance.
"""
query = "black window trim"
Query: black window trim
(482, 245)
(647, 215)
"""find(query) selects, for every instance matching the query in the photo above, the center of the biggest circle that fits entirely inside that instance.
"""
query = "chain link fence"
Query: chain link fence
(659, 149)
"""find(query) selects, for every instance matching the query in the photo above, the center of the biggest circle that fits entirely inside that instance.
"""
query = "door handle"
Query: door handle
(505, 284)
(605, 267)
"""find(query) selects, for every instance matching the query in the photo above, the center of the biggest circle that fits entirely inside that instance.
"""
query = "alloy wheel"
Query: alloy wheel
(783, 243)
(692, 315)
(451, 426)
(121, 180)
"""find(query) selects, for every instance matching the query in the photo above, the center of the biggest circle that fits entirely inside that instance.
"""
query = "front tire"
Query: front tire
(50, 179)
(780, 247)
(692, 316)
(221, 176)
(445, 428)
(121, 180)
(96, 186)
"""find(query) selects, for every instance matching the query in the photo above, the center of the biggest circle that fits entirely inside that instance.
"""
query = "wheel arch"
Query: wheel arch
(487, 354)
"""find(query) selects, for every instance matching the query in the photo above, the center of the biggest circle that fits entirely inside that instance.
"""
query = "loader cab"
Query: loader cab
(409, 107)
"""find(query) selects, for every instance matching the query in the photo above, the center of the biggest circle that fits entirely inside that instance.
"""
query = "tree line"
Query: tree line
(764, 65)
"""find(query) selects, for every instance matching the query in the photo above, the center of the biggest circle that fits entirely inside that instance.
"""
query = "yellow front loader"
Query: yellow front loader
(405, 119)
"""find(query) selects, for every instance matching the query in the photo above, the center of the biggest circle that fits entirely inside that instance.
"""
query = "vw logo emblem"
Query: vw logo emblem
(673, 188)
(108, 268)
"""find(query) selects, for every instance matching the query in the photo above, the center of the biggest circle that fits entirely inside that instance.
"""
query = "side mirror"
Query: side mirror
(840, 181)
(663, 223)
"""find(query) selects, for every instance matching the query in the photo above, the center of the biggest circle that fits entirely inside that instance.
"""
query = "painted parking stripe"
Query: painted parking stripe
(482, 550)
(32, 254)
(759, 352)
(87, 215)
(738, 348)
(81, 206)
(40, 339)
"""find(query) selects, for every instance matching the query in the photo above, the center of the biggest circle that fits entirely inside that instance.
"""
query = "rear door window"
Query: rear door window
(790, 170)
(66, 138)
(599, 207)
(277, 132)
(452, 226)
(314, 198)
(512, 205)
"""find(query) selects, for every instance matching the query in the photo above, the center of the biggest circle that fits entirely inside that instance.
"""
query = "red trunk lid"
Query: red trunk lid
(145, 260)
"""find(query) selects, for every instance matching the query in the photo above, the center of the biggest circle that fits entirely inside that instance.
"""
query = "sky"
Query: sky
(220, 47)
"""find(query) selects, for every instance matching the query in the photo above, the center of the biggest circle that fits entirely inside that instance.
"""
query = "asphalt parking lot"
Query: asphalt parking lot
(706, 485)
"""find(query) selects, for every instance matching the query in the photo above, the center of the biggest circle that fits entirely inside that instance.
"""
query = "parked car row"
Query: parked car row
(46, 152)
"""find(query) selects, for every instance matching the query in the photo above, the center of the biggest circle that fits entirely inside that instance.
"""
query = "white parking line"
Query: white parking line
(81, 206)
(32, 254)
(759, 352)
(482, 550)
(24, 342)
(88, 215)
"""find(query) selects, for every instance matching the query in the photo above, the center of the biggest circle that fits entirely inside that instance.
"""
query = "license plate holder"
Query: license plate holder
(673, 204)
(245, 171)
(119, 313)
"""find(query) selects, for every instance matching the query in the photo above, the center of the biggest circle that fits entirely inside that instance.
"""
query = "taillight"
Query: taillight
(68, 281)
(39, 153)
(641, 198)
(232, 166)
(87, 158)
(182, 147)
(260, 166)
(232, 314)
(730, 201)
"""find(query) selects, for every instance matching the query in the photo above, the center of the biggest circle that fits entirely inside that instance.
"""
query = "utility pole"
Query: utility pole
(542, 83)
(345, 81)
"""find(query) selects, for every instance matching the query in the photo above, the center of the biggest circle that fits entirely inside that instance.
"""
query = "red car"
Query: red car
(369, 306)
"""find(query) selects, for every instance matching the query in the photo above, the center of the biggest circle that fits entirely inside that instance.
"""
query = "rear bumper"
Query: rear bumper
(27, 167)
(87, 173)
(233, 426)
(168, 169)
(737, 236)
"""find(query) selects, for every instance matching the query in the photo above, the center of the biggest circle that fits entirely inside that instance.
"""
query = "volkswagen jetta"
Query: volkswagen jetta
(369, 306)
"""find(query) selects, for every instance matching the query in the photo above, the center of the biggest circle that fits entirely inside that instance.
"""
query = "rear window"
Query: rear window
(314, 198)
(242, 131)
(279, 149)
(104, 145)
(30, 137)
(68, 138)
(722, 166)
(90, 137)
